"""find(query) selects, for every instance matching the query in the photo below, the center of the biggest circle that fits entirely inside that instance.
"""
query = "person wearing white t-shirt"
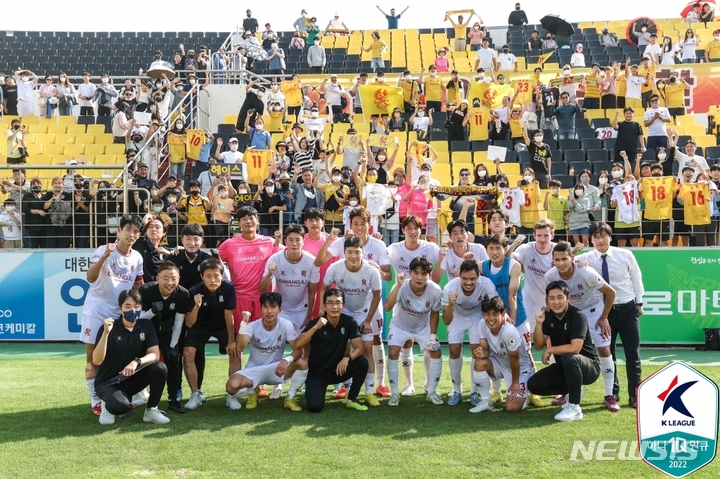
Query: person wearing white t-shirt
(26, 81)
(689, 159)
(232, 157)
(654, 49)
(267, 338)
(688, 46)
(655, 118)
(485, 57)
(114, 268)
(86, 92)
(668, 51)
(577, 60)
(633, 95)
(506, 60)
(458, 250)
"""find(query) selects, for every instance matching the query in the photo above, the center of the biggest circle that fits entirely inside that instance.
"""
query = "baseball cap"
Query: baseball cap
(297, 125)
(172, 177)
(579, 45)
(399, 172)
(284, 176)
(426, 166)
(268, 181)
(233, 140)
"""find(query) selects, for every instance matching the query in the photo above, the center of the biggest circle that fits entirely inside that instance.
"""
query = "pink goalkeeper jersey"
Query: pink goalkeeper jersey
(246, 260)
(313, 247)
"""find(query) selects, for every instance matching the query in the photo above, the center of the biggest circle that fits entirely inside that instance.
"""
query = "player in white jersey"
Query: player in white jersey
(296, 278)
(462, 297)
(587, 288)
(114, 268)
(458, 251)
(267, 338)
(400, 256)
(360, 281)
(416, 314)
(374, 250)
(501, 354)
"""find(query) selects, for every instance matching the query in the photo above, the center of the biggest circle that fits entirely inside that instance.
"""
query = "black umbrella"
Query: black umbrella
(558, 26)
(635, 26)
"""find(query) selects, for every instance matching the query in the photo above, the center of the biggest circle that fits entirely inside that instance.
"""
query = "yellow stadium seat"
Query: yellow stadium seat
(96, 129)
(85, 138)
(705, 140)
(593, 113)
(34, 149)
(115, 149)
(440, 169)
(37, 128)
(64, 138)
(31, 173)
(693, 130)
(8, 119)
(77, 149)
(510, 169)
(55, 128)
(31, 120)
(43, 138)
(461, 157)
(38, 159)
(67, 120)
(104, 138)
(230, 119)
(93, 149)
(480, 157)
(440, 146)
(105, 159)
(75, 129)
(52, 149)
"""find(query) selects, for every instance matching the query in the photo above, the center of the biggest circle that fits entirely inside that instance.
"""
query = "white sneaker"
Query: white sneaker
(567, 397)
(155, 416)
(408, 391)
(483, 406)
(277, 393)
(394, 400)
(232, 403)
(194, 402)
(106, 418)
(140, 399)
(434, 398)
(571, 412)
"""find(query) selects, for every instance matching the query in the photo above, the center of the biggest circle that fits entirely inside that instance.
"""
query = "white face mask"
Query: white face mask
(393, 191)
(422, 187)
(662, 156)
(554, 191)
(336, 178)
(314, 114)
(259, 127)
(242, 192)
(602, 181)
(381, 157)
(538, 138)
(528, 178)
(192, 82)
(172, 200)
(616, 174)
(223, 194)
(482, 174)
(10, 209)
(352, 203)
(233, 147)
(420, 114)
(566, 71)
(179, 125)
(579, 192)
(407, 77)
(104, 80)
(270, 190)
(432, 74)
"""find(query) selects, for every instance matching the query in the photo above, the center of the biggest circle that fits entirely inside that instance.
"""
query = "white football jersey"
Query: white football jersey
(373, 250)
(412, 311)
(535, 266)
(400, 256)
(512, 199)
(584, 286)
(507, 340)
(292, 279)
(357, 286)
(626, 196)
(267, 347)
(467, 306)
(451, 262)
(118, 274)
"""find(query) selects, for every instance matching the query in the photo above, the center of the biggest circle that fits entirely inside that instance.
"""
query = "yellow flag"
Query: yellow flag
(490, 95)
(195, 141)
(545, 56)
(379, 141)
(351, 141)
(380, 99)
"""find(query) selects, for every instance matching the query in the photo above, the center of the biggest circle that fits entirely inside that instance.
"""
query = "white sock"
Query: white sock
(296, 382)
(482, 383)
(406, 357)
(456, 374)
(348, 384)
(379, 357)
(473, 386)
(608, 374)
(497, 385)
(435, 371)
(241, 392)
(94, 399)
(426, 366)
(370, 383)
(393, 372)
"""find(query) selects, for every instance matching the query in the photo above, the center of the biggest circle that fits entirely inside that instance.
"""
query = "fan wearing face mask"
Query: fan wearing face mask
(252, 107)
(104, 95)
(629, 134)
(337, 196)
(540, 155)
(625, 200)
(176, 140)
(260, 138)
(10, 226)
(578, 219)
(25, 83)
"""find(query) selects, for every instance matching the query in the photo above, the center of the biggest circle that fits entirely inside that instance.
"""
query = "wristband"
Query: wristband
(433, 338)
(243, 326)
(289, 359)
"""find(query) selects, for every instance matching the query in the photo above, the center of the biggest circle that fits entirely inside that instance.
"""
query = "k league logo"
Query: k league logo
(677, 420)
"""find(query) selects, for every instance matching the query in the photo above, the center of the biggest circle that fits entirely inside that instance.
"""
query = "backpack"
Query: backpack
(59, 212)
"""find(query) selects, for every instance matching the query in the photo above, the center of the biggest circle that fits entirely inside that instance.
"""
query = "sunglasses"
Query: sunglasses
(464, 174)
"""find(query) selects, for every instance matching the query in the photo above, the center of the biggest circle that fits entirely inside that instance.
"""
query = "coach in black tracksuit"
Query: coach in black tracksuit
(166, 302)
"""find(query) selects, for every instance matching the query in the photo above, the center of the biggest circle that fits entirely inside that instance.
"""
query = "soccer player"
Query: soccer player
(461, 303)
(330, 360)
(114, 268)
(401, 255)
(210, 316)
(563, 331)
(416, 313)
(266, 365)
(501, 354)
(375, 251)
(458, 251)
(314, 220)
(127, 362)
(586, 293)
(165, 302)
(360, 283)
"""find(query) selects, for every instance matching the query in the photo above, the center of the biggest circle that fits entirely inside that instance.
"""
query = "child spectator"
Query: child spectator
(556, 206)
(11, 223)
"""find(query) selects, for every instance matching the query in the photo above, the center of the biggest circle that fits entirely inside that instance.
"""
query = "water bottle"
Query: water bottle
(572, 170)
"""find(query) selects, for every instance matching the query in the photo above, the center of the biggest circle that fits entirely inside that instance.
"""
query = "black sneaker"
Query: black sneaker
(175, 406)
(633, 402)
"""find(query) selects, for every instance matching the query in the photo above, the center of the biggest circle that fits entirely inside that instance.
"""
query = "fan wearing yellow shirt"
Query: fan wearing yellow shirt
(712, 50)
(293, 95)
(176, 140)
(277, 113)
(516, 127)
(478, 120)
(675, 87)
(530, 209)
(591, 100)
(647, 71)
(377, 47)
(621, 87)
(434, 89)
(556, 207)
(658, 192)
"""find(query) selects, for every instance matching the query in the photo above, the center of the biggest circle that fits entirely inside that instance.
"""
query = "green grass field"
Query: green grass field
(47, 430)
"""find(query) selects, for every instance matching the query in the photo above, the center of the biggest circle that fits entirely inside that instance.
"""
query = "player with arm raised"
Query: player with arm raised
(416, 313)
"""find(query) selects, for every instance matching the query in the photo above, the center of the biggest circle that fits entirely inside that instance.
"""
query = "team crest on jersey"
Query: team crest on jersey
(532, 260)
(87, 331)
(402, 258)
(427, 304)
(303, 273)
(132, 268)
(511, 342)
(364, 282)
(342, 330)
(369, 256)
(172, 306)
(119, 338)
(279, 337)
(342, 280)
(580, 286)
(221, 299)
(142, 336)
(407, 301)
(113, 265)
(282, 273)
(502, 345)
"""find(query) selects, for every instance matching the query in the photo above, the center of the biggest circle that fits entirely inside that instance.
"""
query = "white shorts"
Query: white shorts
(376, 324)
(262, 374)
(525, 334)
(456, 331)
(592, 316)
(531, 310)
(26, 108)
(500, 372)
(296, 319)
(398, 336)
(90, 327)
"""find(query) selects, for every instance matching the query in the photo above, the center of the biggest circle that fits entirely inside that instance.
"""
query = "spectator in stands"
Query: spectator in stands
(276, 59)
(485, 57)
(269, 205)
(690, 159)
(336, 199)
(591, 82)
(249, 23)
(556, 207)
(177, 141)
(653, 49)
(58, 209)
(534, 43)
(26, 82)
(540, 156)
(441, 62)
(293, 95)
(48, 94)
(193, 208)
(457, 119)
(122, 124)
(33, 207)
(457, 203)
(635, 84)
(643, 38)
(104, 95)
(222, 209)
(81, 213)
(337, 26)
(549, 43)
(688, 46)
(377, 47)
(392, 19)
(460, 31)
(10, 96)
(668, 51)
(313, 30)
(712, 50)
(297, 42)
(500, 118)
(578, 218)
(252, 107)
(629, 135)
(608, 39)
(145, 182)
(577, 60)
(608, 87)
(421, 123)
(316, 57)
(694, 14)
(15, 137)
(592, 193)
(11, 230)
(454, 89)
(250, 43)
(675, 87)
(260, 139)
(301, 23)
(306, 195)
(397, 122)
(706, 14)
(434, 88)
(517, 17)
(655, 119)
(506, 60)
(334, 94)
(476, 36)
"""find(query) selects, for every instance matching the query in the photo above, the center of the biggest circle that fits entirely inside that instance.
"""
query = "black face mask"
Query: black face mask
(517, 8)
(656, 175)
(505, 50)
(502, 184)
(16, 127)
(285, 186)
(36, 189)
(673, 79)
(476, 105)
(195, 193)
(78, 186)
